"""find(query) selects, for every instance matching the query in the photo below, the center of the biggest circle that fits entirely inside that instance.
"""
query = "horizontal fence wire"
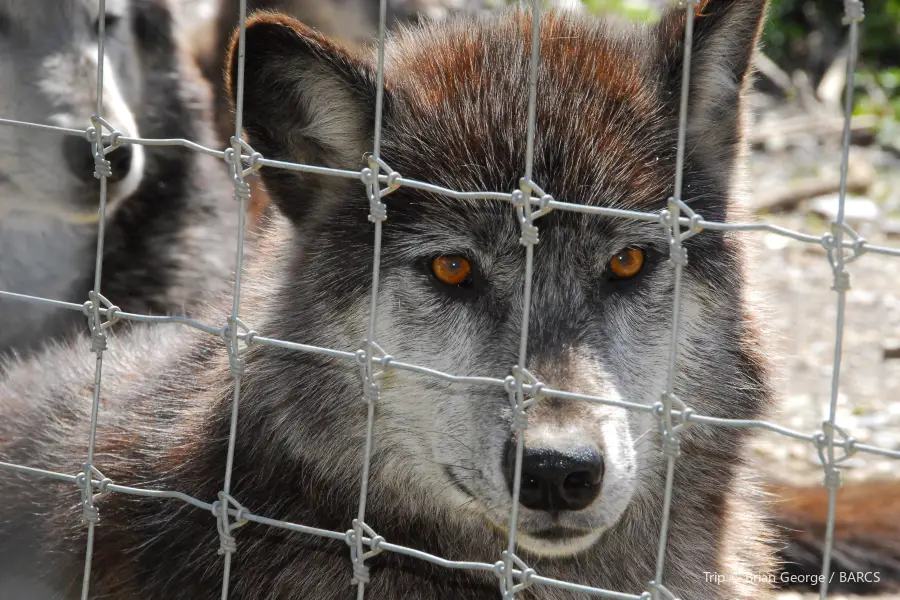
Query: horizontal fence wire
(842, 245)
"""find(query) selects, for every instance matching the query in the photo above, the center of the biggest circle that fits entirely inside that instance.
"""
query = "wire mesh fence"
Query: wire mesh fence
(842, 244)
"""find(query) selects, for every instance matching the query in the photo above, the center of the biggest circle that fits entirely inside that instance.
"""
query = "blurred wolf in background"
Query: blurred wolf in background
(171, 223)
(450, 299)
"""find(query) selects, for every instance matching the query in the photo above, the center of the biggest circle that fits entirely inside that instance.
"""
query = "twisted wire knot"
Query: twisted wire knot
(98, 328)
(90, 513)
(219, 509)
(232, 332)
(677, 255)
(102, 167)
(242, 190)
(360, 573)
(832, 479)
(853, 11)
(529, 235)
(504, 570)
(519, 420)
(515, 388)
(98, 341)
(233, 157)
(671, 446)
(371, 380)
(670, 435)
(841, 281)
(353, 538)
(822, 441)
(661, 590)
(236, 365)
(671, 223)
(369, 177)
(85, 483)
(522, 198)
(377, 212)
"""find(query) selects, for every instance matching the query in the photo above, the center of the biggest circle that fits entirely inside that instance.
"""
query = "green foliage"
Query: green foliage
(809, 34)
(623, 8)
(806, 33)
(883, 98)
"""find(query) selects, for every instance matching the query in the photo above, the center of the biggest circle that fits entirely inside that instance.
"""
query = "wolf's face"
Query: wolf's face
(452, 271)
(48, 65)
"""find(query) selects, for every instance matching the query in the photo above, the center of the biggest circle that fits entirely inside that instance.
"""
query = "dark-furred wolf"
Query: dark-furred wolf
(170, 221)
(451, 299)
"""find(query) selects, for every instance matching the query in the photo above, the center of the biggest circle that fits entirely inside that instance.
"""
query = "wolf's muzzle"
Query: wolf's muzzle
(80, 159)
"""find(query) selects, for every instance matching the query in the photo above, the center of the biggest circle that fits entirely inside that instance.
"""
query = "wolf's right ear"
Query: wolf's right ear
(306, 100)
(725, 36)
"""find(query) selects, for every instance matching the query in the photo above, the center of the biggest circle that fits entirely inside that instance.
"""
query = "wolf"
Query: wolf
(171, 225)
(450, 298)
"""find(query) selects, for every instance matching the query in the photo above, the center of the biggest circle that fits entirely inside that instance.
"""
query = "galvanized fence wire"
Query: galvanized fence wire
(842, 244)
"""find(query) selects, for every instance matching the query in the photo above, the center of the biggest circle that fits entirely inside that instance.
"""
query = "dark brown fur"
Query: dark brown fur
(866, 551)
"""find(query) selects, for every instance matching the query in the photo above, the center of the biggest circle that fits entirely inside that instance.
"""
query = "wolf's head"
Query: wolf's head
(452, 271)
(49, 69)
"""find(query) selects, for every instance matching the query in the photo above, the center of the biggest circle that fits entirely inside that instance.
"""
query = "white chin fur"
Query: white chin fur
(557, 549)
(130, 184)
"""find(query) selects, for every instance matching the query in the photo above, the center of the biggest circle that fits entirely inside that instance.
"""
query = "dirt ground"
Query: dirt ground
(795, 279)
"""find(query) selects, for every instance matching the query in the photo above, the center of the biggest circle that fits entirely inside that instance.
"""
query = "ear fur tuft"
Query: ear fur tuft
(306, 100)
(726, 35)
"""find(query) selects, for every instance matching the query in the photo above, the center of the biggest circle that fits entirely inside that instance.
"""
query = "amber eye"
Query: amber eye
(452, 270)
(627, 263)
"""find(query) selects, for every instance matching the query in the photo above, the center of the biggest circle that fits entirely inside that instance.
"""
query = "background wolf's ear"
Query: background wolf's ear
(725, 37)
(306, 100)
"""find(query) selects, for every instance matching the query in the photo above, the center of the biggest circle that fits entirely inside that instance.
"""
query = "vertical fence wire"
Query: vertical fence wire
(371, 385)
(678, 259)
(236, 333)
(528, 238)
(232, 330)
(853, 16)
(101, 171)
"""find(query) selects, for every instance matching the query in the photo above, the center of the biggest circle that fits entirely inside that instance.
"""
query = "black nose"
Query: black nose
(553, 480)
(80, 159)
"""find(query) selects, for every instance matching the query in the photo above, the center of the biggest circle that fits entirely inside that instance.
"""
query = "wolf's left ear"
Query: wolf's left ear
(726, 34)
(306, 100)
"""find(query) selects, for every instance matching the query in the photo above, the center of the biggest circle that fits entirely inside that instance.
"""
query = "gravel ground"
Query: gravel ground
(795, 281)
